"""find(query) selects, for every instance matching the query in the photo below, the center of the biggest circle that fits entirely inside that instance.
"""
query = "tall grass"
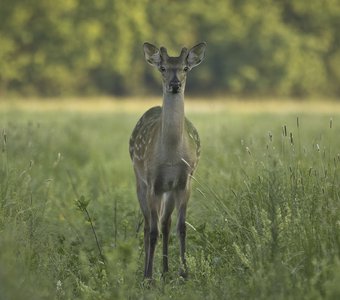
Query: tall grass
(279, 222)
(263, 221)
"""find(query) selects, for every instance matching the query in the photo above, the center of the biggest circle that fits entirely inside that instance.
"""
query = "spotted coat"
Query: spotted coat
(144, 131)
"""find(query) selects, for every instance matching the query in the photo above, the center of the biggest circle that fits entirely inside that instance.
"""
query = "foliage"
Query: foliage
(263, 220)
(254, 47)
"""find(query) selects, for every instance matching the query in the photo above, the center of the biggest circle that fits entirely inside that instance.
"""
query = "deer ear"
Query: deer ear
(196, 55)
(152, 54)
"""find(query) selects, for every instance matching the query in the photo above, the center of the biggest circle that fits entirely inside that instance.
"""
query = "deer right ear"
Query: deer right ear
(152, 54)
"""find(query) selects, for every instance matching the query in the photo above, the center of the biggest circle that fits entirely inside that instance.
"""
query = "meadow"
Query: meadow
(263, 219)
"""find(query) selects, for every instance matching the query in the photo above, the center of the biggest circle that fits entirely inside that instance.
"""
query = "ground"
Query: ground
(263, 219)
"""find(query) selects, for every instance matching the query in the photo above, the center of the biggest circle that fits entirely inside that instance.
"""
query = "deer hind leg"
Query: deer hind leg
(182, 200)
(167, 209)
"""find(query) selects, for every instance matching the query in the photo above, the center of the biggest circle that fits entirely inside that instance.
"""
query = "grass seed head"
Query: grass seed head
(4, 134)
(270, 136)
(291, 138)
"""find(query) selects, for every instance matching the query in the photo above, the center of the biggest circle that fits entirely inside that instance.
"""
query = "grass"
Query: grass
(263, 219)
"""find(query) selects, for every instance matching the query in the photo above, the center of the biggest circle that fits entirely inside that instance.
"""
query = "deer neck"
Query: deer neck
(172, 120)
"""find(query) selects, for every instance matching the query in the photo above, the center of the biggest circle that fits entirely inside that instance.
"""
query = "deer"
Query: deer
(165, 149)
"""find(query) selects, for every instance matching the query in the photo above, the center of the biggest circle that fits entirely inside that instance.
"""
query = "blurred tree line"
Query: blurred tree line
(262, 47)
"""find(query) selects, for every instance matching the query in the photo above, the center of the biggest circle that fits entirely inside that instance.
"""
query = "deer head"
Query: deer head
(174, 70)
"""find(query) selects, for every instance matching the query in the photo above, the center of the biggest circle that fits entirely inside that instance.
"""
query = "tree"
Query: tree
(263, 47)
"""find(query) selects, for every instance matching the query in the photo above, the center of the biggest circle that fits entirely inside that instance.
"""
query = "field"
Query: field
(263, 219)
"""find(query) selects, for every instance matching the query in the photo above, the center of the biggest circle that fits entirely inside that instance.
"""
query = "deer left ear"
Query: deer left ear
(196, 55)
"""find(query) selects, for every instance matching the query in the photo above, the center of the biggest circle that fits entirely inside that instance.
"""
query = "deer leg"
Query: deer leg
(168, 208)
(154, 204)
(146, 244)
(141, 194)
(181, 229)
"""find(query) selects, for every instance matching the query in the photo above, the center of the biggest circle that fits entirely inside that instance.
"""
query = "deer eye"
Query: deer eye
(186, 69)
(162, 69)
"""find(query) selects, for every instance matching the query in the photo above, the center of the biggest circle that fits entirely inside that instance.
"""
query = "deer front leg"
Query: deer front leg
(154, 205)
(181, 230)
(169, 204)
(142, 197)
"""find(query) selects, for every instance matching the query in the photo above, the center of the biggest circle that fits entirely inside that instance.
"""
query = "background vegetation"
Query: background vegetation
(264, 47)
(263, 220)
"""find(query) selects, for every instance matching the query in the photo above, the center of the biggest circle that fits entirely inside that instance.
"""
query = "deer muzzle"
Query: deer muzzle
(175, 86)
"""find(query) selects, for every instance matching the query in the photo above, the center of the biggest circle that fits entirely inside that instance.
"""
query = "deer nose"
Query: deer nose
(175, 85)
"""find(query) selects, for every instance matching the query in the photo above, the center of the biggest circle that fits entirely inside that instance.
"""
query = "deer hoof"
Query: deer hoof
(183, 273)
(148, 283)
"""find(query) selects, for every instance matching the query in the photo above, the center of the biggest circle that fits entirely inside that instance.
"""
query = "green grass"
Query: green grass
(263, 217)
